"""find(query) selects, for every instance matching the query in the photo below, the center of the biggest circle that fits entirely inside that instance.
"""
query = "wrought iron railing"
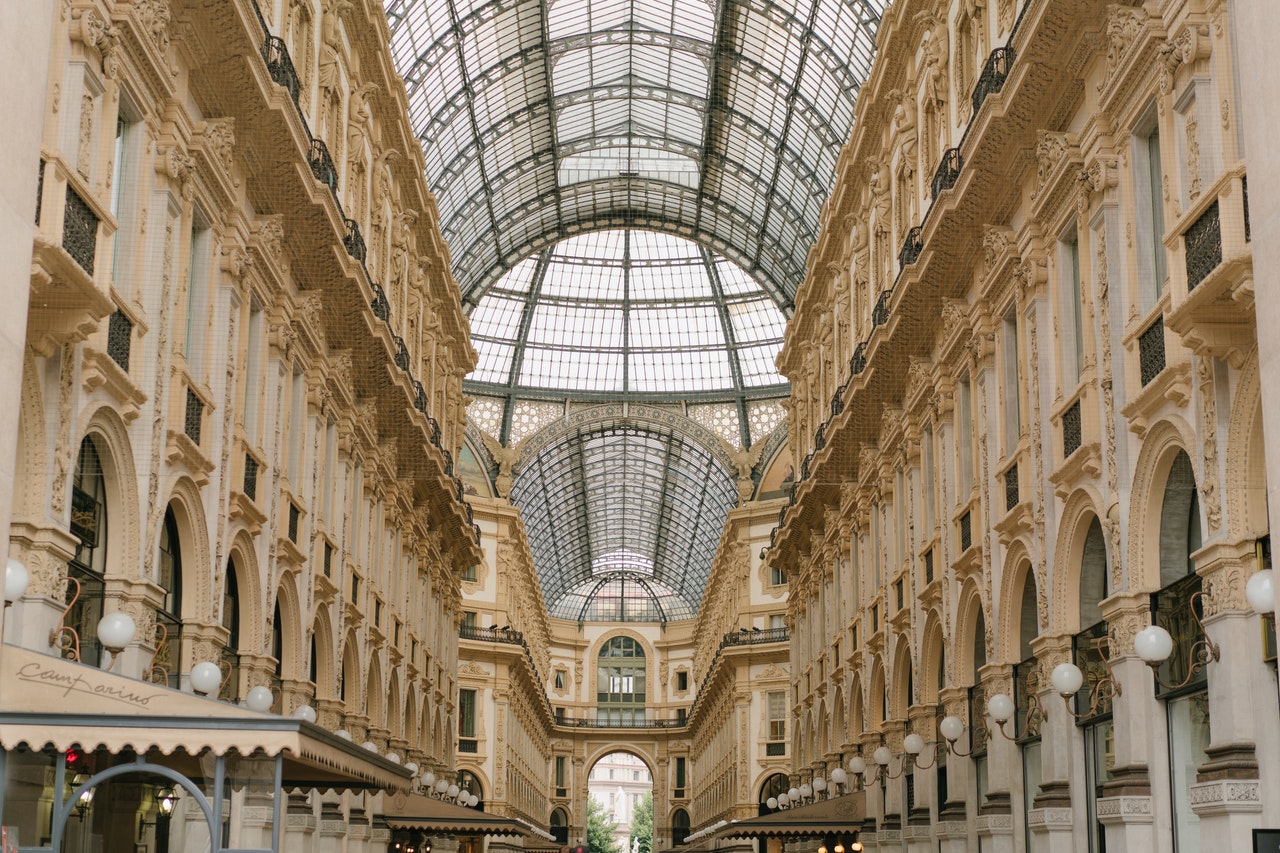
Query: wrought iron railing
(402, 353)
(643, 723)
(381, 308)
(322, 165)
(837, 400)
(194, 416)
(1071, 437)
(353, 241)
(1087, 649)
(80, 230)
(994, 73)
(911, 248)
(230, 689)
(1204, 246)
(276, 55)
(1244, 200)
(966, 531)
(858, 362)
(1011, 495)
(1028, 715)
(1151, 351)
(119, 339)
(419, 397)
(754, 636)
(948, 171)
(880, 313)
(39, 190)
(294, 515)
(1177, 609)
(250, 477)
(491, 634)
(978, 734)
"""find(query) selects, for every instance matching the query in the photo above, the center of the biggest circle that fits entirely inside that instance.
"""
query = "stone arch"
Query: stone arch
(115, 450)
(969, 635)
(932, 659)
(351, 685)
(1079, 514)
(635, 749)
(1181, 527)
(193, 534)
(593, 658)
(820, 743)
(373, 691)
(877, 698)
(1246, 492)
(410, 719)
(902, 685)
(839, 728)
(1159, 449)
(1009, 618)
(857, 719)
(395, 721)
(249, 590)
(326, 684)
(290, 628)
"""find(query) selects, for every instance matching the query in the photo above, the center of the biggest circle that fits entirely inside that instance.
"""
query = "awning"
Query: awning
(416, 811)
(826, 817)
(50, 701)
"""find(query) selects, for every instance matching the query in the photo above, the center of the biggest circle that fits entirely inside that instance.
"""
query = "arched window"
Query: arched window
(89, 526)
(679, 826)
(772, 787)
(1093, 575)
(620, 682)
(231, 621)
(560, 826)
(277, 652)
(1180, 534)
(169, 614)
(468, 781)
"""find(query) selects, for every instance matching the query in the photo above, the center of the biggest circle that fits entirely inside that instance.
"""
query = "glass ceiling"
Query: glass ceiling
(624, 313)
(720, 121)
(623, 521)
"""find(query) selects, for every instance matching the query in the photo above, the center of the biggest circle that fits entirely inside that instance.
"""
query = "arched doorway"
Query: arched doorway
(620, 813)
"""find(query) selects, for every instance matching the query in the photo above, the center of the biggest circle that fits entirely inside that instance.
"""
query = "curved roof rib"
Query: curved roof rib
(718, 121)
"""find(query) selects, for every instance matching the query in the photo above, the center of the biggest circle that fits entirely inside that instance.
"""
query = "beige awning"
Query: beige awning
(416, 811)
(826, 817)
(49, 701)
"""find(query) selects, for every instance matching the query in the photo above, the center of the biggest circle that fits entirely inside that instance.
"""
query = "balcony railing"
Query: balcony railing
(1151, 351)
(948, 171)
(994, 73)
(322, 166)
(80, 230)
(39, 190)
(250, 477)
(622, 724)
(1071, 437)
(491, 634)
(880, 314)
(119, 339)
(858, 362)
(754, 637)
(280, 66)
(911, 248)
(1244, 200)
(966, 532)
(353, 241)
(1204, 246)
(381, 308)
(402, 353)
(1011, 487)
(1087, 651)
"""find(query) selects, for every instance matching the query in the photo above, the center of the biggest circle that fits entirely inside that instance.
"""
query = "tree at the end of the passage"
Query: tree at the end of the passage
(600, 829)
(642, 825)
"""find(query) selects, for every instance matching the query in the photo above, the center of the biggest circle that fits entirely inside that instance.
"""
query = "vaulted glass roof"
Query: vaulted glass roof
(623, 521)
(625, 313)
(720, 120)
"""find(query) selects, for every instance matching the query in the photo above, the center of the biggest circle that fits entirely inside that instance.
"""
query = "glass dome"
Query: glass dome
(627, 313)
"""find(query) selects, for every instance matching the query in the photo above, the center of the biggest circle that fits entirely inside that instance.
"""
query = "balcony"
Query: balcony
(323, 169)
(880, 313)
(754, 637)
(276, 55)
(911, 248)
(644, 723)
(1151, 361)
(491, 634)
(948, 172)
(994, 73)
(381, 308)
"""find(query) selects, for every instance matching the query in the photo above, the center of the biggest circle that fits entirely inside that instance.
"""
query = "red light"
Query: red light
(72, 756)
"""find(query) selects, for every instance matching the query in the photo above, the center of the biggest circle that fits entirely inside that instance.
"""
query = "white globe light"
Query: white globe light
(16, 578)
(305, 712)
(116, 630)
(806, 791)
(259, 698)
(452, 792)
(393, 757)
(1066, 678)
(857, 765)
(838, 776)
(1259, 591)
(428, 779)
(913, 744)
(412, 767)
(343, 733)
(472, 800)
(783, 801)
(206, 677)
(370, 745)
(819, 784)
(442, 785)
(1153, 644)
(793, 794)
(772, 802)
(951, 728)
(1000, 707)
(463, 795)
(882, 756)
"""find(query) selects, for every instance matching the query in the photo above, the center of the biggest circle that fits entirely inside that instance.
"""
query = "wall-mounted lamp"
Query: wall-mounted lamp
(84, 802)
(168, 798)
(1154, 645)
(1000, 708)
(913, 744)
(1259, 591)
(16, 579)
(1067, 680)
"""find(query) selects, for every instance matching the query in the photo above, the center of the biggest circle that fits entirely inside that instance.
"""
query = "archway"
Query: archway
(620, 813)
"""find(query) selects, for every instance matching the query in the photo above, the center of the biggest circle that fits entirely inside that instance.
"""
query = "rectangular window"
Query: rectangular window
(875, 547)
(1148, 192)
(559, 679)
(964, 440)
(682, 680)
(253, 372)
(1188, 719)
(777, 711)
(562, 772)
(680, 775)
(1072, 340)
(330, 467)
(777, 622)
(1012, 391)
(776, 576)
(297, 427)
(468, 618)
(124, 202)
(929, 481)
(466, 713)
(900, 518)
(470, 573)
